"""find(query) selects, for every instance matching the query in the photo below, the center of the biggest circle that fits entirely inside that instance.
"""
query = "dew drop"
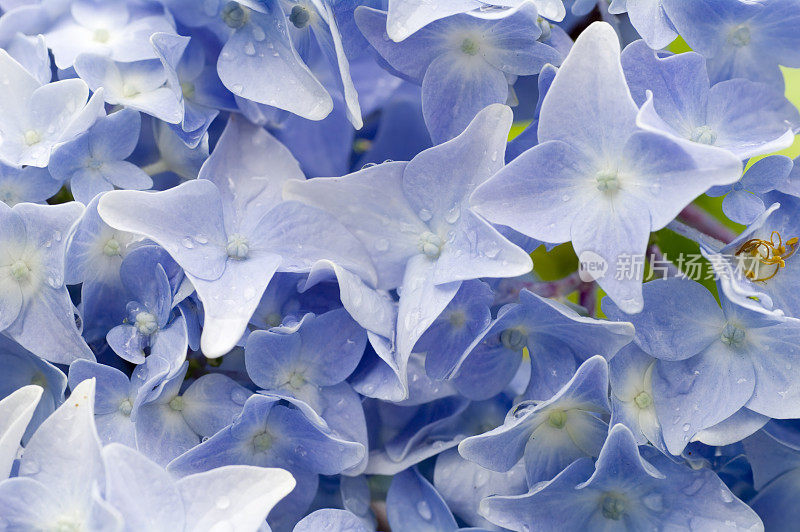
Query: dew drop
(424, 510)
(239, 397)
(425, 215)
(453, 214)
(258, 33)
(654, 501)
(223, 503)
(187, 242)
(382, 245)
(249, 49)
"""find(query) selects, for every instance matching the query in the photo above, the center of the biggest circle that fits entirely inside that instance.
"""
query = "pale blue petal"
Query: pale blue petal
(236, 496)
(263, 44)
(453, 93)
(700, 392)
(16, 411)
(185, 220)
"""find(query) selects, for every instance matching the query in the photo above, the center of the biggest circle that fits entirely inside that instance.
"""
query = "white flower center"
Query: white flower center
(607, 181)
(262, 442)
(146, 323)
(643, 400)
(188, 89)
(557, 419)
(112, 248)
(732, 335)
(514, 339)
(470, 46)
(32, 137)
(238, 247)
(20, 271)
(613, 506)
(740, 36)
(704, 135)
(296, 380)
(129, 91)
(177, 403)
(101, 35)
(125, 407)
(430, 245)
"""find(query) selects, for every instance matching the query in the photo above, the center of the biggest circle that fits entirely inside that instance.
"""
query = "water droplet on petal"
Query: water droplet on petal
(453, 214)
(382, 245)
(258, 33)
(654, 501)
(424, 510)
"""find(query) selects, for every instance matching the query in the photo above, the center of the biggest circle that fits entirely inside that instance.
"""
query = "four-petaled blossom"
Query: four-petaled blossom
(595, 178)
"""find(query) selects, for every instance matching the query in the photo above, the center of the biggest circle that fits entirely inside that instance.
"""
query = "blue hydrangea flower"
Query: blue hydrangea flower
(231, 232)
(649, 18)
(115, 397)
(414, 221)
(310, 361)
(557, 340)
(113, 28)
(95, 162)
(194, 82)
(140, 85)
(632, 396)
(26, 185)
(741, 116)
(461, 58)
(776, 468)
(149, 328)
(456, 327)
(713, 361)
(35, 117)
(743, 203)
(35, 308)
(740, 39)
(21, 368)
(463, 484)
(624, 488)
(595, 178)
(549, 435)
(270, 431)
(57, 488)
